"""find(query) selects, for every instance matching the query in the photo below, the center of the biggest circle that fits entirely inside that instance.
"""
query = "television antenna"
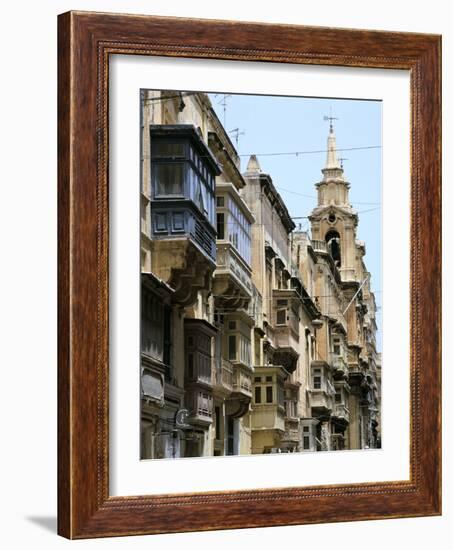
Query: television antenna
(224, 104)
(236, 133)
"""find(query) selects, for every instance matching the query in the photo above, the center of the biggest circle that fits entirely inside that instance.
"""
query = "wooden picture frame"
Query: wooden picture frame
(85, 41)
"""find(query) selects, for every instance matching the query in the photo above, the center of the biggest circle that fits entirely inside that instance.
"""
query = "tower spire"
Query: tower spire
(331, 160)
(333, 189)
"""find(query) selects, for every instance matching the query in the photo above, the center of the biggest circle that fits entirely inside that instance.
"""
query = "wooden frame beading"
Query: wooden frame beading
(85, 41)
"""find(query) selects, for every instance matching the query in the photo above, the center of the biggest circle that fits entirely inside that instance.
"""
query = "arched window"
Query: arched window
(333, 244)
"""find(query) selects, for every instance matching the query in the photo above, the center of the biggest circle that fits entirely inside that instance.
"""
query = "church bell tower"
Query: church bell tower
(333, 220)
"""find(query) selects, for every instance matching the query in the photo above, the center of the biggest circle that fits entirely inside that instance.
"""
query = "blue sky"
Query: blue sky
(295, 124)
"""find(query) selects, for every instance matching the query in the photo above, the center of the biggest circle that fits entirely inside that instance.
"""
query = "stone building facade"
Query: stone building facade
(255, 337)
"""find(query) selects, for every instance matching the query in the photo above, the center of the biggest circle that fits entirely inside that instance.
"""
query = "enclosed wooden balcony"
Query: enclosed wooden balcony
(198, 335)
(286, 303)
(341, 413)
(238, 402)
(321, 402)
(242, 382)
(268, 417)
(232, 277)
(198, 372)
(321, 390)
(199, 402)
(356, 374)
(268, 409)
(291, 435)
(182, 231)
(339, 365)
(223, 378)
(152, 386)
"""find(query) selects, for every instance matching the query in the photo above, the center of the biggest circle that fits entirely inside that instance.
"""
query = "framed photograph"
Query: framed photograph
(249, 275)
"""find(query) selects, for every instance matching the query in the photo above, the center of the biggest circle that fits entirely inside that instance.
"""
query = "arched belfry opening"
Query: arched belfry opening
(333, 244)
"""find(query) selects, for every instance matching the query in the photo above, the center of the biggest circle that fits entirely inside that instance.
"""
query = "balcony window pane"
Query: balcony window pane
(269, 394)
(169, 179)
(217, 422)
(281, 317)
(168, 150)
(190, 366)
(167, 341)
(258, 395)
(317, 382)
(230, 436)
(220, 226)
(198, 198)
(152, 336)
(239, 230)
(232, 347)
(205, 206)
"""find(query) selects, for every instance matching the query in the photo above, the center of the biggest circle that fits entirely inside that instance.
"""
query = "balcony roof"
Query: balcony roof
(202, 324)
(157, 285)
(187, 131)
(278, 369)
(221, 149)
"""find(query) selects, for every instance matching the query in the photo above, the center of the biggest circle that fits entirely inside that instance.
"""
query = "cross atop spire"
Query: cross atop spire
(330, 119)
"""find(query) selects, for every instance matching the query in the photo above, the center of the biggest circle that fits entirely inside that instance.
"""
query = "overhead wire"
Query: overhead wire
(283, 153)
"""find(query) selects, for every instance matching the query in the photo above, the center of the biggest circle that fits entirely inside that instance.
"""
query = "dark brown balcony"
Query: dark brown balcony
(286, 303)
(198, 373)
(198, 334)
(286, 328)
(199, 402)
